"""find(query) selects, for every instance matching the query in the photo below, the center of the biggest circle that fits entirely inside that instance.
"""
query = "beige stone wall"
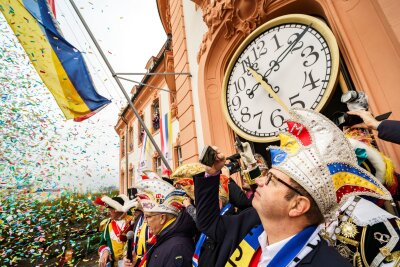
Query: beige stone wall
(187, 127)
(367, 31)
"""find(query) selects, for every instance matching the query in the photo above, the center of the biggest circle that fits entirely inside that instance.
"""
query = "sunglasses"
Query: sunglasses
(269, 177)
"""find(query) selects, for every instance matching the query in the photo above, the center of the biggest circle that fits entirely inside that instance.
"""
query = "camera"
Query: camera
(234, 164)
(207, 156)
(342, 119)
(355, 100)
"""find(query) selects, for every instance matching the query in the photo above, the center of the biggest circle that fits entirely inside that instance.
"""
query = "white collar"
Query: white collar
(365, 212)
(269, 251)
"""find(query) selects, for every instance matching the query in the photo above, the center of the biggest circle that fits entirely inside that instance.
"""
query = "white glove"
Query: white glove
(247, 155)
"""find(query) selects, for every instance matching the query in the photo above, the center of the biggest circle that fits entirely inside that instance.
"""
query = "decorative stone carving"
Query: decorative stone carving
(168, 19)
(178, 139)
(235, 16)
(174, 110)
(169, 67)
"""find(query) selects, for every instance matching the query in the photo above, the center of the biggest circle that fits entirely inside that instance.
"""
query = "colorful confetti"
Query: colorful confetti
(48, 168)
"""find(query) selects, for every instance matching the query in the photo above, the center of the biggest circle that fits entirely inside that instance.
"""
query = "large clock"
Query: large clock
(297, 55)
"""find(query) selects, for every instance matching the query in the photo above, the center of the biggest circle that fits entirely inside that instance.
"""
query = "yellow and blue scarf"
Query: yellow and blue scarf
(248, 247)
(203, 237)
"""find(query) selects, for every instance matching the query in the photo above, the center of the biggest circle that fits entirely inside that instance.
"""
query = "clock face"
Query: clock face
(297, 56)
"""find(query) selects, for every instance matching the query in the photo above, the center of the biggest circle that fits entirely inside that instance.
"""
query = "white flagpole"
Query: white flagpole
(120, 86)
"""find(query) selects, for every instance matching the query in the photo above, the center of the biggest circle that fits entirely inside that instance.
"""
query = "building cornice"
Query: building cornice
(164, 13)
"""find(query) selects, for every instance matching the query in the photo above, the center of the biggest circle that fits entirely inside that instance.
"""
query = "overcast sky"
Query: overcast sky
(129, 32)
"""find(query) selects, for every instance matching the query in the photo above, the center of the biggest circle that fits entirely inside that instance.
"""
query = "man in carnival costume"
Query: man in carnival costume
(364, 233)
(298, 193)
(102, 208)
(113, 238)
(172, 229)
(206, 250)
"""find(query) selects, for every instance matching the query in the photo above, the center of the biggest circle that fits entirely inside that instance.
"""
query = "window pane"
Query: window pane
(180, 161)
(156, 115)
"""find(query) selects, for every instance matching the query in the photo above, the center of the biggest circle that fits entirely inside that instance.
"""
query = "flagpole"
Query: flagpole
(120, 86)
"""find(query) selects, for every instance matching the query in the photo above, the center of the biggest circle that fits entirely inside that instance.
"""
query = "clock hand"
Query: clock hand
(284, 54)
(267, 87)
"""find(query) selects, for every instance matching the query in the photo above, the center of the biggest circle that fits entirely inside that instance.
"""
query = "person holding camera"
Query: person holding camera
(290, 201)
(388, 130)
(172, 228)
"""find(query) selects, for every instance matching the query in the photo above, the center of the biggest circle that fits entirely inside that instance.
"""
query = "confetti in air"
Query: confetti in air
(48, 166)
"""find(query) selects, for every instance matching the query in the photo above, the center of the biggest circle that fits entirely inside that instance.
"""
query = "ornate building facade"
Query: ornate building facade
(206, 33)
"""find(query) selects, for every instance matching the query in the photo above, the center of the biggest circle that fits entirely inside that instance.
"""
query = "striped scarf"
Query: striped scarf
(203, 237)
(291, 254)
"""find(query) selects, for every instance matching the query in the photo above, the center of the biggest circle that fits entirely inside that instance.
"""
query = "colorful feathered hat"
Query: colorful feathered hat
(183, 176)
(99, 202)
(116, 203)
(373, 160)
(131, 204)
(188, 170)
(315, 153)
(156, 195)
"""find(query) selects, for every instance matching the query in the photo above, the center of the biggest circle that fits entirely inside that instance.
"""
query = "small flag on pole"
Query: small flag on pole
(60, 65)
(143, 153)
(166, 139)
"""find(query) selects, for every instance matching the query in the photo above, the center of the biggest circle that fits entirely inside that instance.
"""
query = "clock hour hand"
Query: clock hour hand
(275, 63)
(259, 78)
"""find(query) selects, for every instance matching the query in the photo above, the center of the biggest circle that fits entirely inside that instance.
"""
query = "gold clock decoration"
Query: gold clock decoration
(297, 55)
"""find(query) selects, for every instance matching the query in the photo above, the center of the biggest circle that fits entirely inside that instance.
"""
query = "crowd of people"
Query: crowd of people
(326, 199)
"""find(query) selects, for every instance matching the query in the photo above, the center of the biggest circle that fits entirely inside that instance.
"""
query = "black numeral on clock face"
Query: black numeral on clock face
(245, 114)
(259, 119)
(299, 103)
(293, 39)
(240, 85)
(295, 60)
(276, 119)
(312, 82)
(311, 53)
(236, 102)
(251, 59)
(275, 38)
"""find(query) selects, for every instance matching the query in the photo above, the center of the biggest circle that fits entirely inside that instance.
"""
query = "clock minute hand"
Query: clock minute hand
(286, 52)
(258, 77)
(279, 59)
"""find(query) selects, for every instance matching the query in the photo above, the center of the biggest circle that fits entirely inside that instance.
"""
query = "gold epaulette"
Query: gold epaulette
(103, 224)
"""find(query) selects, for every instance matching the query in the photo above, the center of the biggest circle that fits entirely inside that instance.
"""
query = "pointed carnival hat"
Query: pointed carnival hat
(156, 195)
(315, 153)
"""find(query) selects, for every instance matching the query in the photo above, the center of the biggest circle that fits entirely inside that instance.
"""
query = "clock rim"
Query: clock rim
(317, 24)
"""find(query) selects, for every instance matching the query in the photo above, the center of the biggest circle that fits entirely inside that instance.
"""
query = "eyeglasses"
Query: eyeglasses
(146, 217)
(269, 177)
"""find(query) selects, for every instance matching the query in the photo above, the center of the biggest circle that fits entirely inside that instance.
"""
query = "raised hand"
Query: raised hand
(219, 162)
